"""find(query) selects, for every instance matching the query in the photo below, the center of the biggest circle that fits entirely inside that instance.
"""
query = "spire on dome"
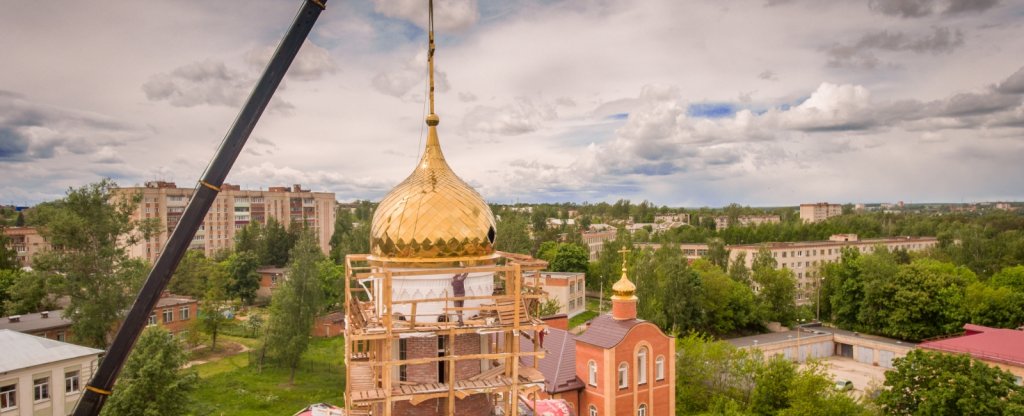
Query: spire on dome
(432, 119)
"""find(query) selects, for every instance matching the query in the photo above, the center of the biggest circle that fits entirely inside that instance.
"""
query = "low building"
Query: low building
(817, 341)
(46, 324)
(41, 376)
(26, 243)
(174, 313)
(805, 258)
(1003, 348)
(329, 325)
(673, 218)
(565, 287)
(722, 221)
(270, 277)
(810, 213)
(559, 223)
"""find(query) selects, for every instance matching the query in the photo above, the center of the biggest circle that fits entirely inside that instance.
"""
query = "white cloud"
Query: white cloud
(448, 14)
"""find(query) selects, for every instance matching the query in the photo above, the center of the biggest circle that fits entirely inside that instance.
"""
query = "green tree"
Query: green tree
(728, 306)
(513, 234)
(190, 276)
(276, 244)
(7, 280)
(8, 257)
(215, 302)
(549, 307)
(28, 292)
(923, 299)
(88, 230)
(295, 305)
(738, 270)
(152, 382)
(777, 294)
(679, 291)
(245, 281)
(813, 393)
(354, 241)
(717, 253)
(933, 383)
(570, 257)
(20, 222)
(774, 379)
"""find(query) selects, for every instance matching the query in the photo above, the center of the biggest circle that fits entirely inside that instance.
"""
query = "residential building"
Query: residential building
(567, 288)
(595, 240)
(26, 243)
(670, 218)
(692, 251)
(817, 341)
(1004, 206)
(619, 365)
(559, 223)
(1003, 348)
(40, 376)
(231, 211)
(47, 324)
(810, 213)
(722, 221)
(806, 258)
(174, 313)
(270, 277)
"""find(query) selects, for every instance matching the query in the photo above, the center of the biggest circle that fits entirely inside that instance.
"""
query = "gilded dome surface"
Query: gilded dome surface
(432, 215)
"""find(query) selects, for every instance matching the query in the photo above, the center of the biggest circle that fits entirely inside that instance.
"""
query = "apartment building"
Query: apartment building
(232, 210)
(722, 222)
(565, 287)
(595, 240)
(806, 258)
(40, 376)
(26, 243)
(810, 213)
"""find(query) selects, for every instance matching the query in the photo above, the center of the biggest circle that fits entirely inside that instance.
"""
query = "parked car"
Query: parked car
(844, 385)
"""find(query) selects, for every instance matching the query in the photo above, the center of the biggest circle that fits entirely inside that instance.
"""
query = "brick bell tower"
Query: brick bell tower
(623, 294)
(434, 314)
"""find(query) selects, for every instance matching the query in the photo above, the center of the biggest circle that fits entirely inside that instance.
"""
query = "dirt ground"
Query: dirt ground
(862, 375)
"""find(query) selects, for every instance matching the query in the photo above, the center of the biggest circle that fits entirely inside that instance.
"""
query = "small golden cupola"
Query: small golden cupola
(624, 294)
(433, 215)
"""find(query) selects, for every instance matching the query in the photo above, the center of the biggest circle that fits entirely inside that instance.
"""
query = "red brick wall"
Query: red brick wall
(324, 328)
(479, 404)
(177, 325)
(657, 394)
(475, 405)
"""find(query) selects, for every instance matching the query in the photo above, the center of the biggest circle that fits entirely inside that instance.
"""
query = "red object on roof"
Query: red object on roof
(1004, 346)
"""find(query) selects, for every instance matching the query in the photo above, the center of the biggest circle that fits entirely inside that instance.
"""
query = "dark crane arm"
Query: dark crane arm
(100, 387)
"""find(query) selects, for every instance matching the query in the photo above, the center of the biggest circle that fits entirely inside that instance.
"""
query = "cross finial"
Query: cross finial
(624, 250)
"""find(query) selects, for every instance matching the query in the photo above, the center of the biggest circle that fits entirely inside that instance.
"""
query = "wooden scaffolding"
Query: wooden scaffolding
(372, 329)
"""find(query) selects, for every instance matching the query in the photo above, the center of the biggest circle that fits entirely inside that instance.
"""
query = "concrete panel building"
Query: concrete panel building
(231, 211)
(806, 258)
(26, 243)
(821, 211)
(722, 222)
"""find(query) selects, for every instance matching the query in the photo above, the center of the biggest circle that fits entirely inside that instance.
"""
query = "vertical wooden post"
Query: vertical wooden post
(386, 345)
(450, 352)
(517, 276)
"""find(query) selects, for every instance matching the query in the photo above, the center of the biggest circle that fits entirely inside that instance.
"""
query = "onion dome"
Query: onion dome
(623, 289)
(433, 215)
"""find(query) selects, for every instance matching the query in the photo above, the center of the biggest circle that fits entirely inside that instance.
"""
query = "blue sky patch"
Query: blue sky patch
(711, 110)
(619, 116)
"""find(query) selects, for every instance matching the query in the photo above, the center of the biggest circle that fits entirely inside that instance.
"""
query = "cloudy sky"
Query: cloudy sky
(682, 103)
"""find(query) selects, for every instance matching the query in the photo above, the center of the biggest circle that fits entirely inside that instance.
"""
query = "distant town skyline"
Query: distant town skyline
(685, 104)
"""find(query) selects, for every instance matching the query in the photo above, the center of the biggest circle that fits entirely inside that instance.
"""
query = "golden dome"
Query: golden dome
(432, 215)
(624, 289)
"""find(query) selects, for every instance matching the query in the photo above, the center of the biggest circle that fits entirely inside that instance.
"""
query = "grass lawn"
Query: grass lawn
(581, 318)
(231, 387)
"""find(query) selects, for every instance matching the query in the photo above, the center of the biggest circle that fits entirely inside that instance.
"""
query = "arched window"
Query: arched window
(659, 368)
(623, 375)
(642, 410)
(592, 372)
(641, 366)
(593, 410)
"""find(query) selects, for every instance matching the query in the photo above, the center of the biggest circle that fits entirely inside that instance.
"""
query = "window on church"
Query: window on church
(641, 366)
(623, 375)
(592, 371)
(659, 368)
(593, 410)
(642, 410)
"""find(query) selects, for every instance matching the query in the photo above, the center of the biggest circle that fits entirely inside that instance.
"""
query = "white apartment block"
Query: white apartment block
(806, 258)
(722, 222)
(40, 376)
(569, 289)
(821, 211)
(231, 211)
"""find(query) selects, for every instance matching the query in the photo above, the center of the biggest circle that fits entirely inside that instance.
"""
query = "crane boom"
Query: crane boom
(99, 388)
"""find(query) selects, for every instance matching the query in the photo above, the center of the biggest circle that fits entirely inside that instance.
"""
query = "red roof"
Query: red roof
(989, 344)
